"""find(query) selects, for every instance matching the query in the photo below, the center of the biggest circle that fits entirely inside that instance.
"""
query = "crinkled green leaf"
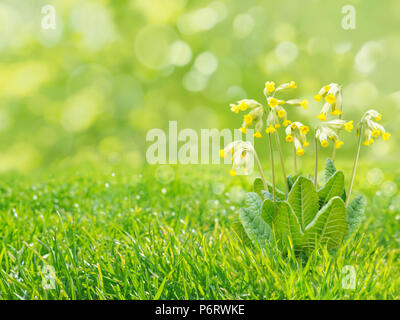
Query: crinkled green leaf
(328, 227)
(267, 212)
(241, 233)
(334, 187)
(355, 213)
(330, 169)
(304, 201)
(286, 224)
(254, 225)
(258, 186)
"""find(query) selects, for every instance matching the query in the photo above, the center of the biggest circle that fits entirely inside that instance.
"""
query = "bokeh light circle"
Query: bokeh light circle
(152, 46)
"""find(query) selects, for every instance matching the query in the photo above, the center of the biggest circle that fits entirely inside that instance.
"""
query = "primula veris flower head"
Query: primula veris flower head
(332, 95)
(248, 118)
(281, 113)
(372, 129)
(270, 129)
(328, 131)
(330, 98)
(244, 104)
(296, 133)
(304, 104)
(269, 87)
(274, 102)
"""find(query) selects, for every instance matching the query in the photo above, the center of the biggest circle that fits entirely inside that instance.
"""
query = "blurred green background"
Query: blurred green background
(112, 70)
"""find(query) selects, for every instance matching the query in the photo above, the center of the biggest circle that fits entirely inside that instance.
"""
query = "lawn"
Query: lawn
(114, 233)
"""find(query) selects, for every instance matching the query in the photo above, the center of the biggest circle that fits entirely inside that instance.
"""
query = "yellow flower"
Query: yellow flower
(324, 143)
(327, 88)
(322, 117)
(222, 153)
(273, 102)
(232, 172)
(330, 98)
(349, 126)
(375, 133)
(243, 129)
(243, 106)
(281, 113)
(270, 86)
(234, 108)
(385, 136)
(248, 118)
(378, 117)
(292, 85)
(300, 151)
(293, 126)
(368, 142)
(270, 129)
(258, 134)
(317, 97)
(336, 112)
(289, 138)
(277, 125)
(304, 129)
(305, 144)
(338, 144)
(304, 104)
(286, 122)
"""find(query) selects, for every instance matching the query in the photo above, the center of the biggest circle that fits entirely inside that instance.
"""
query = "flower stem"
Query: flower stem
(353, 174)
(282, 163)
(272, 170)
(294, 159)
(258, 163)
(334, 147)
(316, 162)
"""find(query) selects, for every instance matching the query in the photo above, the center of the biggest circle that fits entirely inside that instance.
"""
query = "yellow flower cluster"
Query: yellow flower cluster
(328, 131)
(332, 95)
(276, 111)
(296, 132)
(372, 128)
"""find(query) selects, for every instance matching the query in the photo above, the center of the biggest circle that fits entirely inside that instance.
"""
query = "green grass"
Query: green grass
(119, 236)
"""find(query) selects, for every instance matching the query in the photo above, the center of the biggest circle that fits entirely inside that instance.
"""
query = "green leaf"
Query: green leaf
(267, 212)
(355, 213)
(241, 233)
(304, 201)
(279, 194)
(328, 227)
(291, 179)
(287, 225)
(254, 225)
(330, 169)
(258, 186)
(334, 187)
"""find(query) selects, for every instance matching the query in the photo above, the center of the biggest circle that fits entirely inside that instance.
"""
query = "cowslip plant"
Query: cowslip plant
(305, 216)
